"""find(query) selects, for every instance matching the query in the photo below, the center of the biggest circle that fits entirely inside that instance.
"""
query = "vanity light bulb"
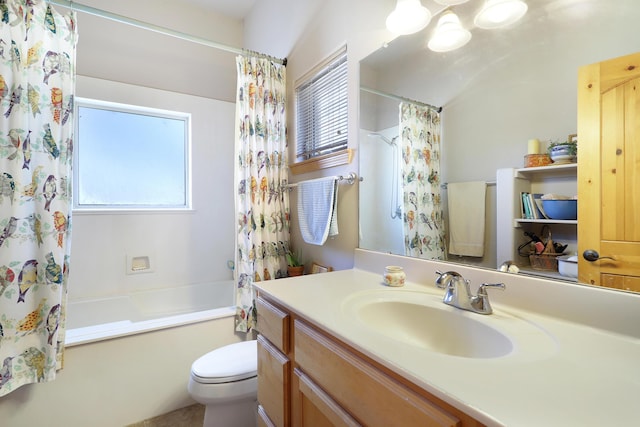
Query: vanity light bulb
(450, 2)
(449, 34)
(500, 13)
(408, 17)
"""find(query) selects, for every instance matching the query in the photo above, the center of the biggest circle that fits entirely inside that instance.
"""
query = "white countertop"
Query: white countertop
(559, 373)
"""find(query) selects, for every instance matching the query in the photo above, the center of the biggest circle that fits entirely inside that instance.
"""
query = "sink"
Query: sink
(435, 329)
(421, 321)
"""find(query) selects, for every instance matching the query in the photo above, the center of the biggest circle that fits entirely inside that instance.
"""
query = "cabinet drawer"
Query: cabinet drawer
(273, 323)
(314, 407)
(273, 382)
(372, 397)
(263, 418)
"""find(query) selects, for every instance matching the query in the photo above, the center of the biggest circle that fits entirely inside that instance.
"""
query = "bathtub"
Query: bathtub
(99, 319)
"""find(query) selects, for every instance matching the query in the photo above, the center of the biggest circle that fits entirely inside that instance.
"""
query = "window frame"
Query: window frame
(133, 109)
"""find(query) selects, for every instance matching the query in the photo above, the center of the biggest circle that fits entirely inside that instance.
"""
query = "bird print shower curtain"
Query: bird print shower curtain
(261, 177)
(422, 214)
(37, 79)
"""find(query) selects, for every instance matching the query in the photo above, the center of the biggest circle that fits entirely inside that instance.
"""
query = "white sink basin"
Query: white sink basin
(422, 321)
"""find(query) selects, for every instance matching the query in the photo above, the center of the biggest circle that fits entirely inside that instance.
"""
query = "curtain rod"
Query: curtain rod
(400, 98)
(161, 30)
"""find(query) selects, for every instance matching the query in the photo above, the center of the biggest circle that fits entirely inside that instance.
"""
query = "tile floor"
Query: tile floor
(191, 416)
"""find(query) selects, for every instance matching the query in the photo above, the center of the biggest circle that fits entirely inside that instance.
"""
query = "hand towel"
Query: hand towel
(318, 209)
(466, 201)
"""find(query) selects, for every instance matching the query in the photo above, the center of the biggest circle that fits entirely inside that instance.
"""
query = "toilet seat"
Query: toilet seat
(234, 362)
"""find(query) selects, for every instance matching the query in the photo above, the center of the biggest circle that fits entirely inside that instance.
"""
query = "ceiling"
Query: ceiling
(234, 8)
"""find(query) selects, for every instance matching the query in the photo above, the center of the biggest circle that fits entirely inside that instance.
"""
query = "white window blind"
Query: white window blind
(321, 110)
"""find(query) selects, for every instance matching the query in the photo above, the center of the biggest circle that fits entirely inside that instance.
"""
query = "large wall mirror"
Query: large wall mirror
(501, 90)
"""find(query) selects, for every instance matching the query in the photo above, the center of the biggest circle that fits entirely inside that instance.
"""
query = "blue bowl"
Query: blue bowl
(560, 209)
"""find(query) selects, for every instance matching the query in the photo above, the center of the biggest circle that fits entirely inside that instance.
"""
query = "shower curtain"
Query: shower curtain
(424, 235)
(261, 178)
(37, 83)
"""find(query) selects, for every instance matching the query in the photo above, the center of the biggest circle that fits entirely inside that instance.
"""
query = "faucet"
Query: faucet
(459, 295)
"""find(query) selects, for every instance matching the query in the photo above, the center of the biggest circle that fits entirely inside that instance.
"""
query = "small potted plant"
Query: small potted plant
(564, 151)
(295, 267)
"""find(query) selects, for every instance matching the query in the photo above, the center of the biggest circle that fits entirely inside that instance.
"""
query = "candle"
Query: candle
(534, 146)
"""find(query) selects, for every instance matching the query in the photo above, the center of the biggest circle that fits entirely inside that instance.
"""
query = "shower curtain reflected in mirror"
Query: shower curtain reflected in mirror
(424, 227)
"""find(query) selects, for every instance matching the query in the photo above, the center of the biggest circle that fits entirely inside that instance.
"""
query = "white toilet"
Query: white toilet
(225, 380)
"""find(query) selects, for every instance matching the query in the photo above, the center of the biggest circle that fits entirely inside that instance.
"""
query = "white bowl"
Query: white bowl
(568, 265)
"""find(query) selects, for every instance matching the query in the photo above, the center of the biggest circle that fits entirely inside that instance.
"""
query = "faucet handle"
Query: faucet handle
(482, 290)
(481, 302)
(444, 279)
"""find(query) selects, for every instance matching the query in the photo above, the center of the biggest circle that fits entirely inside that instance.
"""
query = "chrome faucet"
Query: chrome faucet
(459, 295)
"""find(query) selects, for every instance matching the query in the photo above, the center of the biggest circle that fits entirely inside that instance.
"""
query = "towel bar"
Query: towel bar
(444, 186)
(350, 179)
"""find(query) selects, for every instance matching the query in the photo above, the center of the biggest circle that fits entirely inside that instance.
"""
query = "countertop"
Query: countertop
(559, 372)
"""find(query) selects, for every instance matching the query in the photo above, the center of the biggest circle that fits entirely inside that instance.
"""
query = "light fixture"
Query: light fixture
(449, 34)
(500, 13)
(450, 2)
(409, 16)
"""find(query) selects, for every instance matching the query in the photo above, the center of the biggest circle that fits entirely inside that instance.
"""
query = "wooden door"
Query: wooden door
(609, 172)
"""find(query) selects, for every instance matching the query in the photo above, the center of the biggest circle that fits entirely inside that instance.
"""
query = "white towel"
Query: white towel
(466, 217)
(318, 209)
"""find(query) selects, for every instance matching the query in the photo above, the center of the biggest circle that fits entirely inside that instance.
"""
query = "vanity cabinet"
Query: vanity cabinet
(510, 183)
(274, 365)
(332, 384)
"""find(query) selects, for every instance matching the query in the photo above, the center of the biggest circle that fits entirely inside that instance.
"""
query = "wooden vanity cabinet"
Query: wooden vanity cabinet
(331, 384)
(274, 365)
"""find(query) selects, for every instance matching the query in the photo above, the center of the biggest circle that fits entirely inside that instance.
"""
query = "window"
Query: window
(321, 109)
(130, 157)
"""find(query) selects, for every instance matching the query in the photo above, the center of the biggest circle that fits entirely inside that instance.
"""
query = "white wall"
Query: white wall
(121, 63)
(327, 25)
(184, 248)
(381, 227)
(113, 51)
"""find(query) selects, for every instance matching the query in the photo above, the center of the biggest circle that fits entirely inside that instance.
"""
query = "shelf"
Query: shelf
(512, 182)
(548, 274)
(548, 221)
(566, 169)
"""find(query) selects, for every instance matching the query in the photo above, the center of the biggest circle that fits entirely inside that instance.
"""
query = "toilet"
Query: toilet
(225, 380)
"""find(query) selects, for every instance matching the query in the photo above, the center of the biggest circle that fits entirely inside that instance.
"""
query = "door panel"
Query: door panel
(609, 171)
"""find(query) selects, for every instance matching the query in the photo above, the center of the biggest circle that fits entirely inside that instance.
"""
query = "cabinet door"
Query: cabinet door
(313, 407)
(372, 397)
(273, 383)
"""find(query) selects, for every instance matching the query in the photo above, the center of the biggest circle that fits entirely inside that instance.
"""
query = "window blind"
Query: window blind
(321, 111)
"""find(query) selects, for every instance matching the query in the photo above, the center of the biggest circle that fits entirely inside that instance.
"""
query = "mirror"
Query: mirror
(503, 88)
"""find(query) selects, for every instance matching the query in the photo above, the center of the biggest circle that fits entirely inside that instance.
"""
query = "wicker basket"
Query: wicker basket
(548, 262)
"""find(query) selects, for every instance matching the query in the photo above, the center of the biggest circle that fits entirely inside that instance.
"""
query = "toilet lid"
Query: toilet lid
(232, 362)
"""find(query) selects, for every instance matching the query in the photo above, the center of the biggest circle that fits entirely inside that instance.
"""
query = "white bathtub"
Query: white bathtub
(105, 318)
